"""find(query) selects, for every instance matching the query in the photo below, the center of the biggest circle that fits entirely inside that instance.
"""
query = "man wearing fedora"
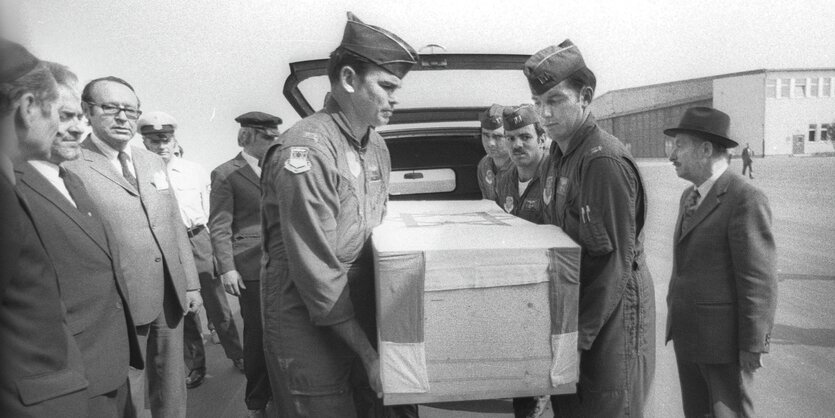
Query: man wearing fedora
(723, 288)
(594, 192)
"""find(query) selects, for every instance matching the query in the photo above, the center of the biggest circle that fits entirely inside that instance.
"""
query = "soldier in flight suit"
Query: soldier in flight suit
(324, 187)
(497, 161)
(519, 190)
(594, 192)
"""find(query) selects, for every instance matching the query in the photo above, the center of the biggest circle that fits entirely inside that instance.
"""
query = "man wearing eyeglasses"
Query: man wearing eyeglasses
(131, 189)
(235, 225)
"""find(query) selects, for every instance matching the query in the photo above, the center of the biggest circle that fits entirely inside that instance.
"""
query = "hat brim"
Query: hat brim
(709, 136)
(268, 131)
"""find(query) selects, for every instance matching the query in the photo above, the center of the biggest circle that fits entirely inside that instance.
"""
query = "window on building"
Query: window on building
(785, 83)
(826, 87)
(771, 88)
(813, 130)
(813, 87)
(799, 87)
(825, 132)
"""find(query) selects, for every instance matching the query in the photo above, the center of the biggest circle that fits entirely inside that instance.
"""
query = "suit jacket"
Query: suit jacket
(92, 286)
(146, 226)
(235, 218)
(41, 372)
(723, 289)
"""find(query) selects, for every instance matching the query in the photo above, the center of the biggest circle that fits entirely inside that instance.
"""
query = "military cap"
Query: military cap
(551, 65)
(260, 120)
(491, 119)
(516, 117)
(378, 46)
(706, 123)
(15, 61)
(156, 122)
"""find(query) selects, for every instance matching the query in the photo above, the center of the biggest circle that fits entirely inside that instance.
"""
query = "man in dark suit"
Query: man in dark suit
(723, 289)
(82, 250)
(235, 226)
(42, 372)
(130, 187)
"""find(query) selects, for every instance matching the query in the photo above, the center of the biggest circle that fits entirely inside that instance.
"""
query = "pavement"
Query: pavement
(798, 379)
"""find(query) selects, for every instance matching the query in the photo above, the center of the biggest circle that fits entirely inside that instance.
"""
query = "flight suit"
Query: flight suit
(323, 190)
(489, 175)
(594, 192)
(528, 206)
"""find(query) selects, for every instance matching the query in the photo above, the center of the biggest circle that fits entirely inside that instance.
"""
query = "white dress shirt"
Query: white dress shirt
(50, 172)
(253, 162)
(705, 187)
(191, 187)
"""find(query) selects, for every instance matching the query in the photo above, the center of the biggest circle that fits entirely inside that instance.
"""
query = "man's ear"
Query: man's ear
(86, 109)
(348, 78)
(586, 94)
(27, 106)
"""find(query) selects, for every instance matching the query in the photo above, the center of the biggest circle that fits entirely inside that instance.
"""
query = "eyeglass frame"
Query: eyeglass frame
(119, 109)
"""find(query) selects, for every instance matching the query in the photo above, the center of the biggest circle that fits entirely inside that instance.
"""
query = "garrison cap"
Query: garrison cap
(555, 63)
(156, 123)
(260, 120)
(518, 117)
(378, 46)
(491, 119)
(15, 61)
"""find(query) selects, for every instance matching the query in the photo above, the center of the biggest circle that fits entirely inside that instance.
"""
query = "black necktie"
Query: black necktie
(123, 159)
(77, 191)
(689, 207)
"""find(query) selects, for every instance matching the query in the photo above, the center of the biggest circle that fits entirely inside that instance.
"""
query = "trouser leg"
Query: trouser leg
(194, 352)
(258, 390)
(214, 296)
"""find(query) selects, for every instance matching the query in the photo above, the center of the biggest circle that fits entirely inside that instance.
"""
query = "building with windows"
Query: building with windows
(777, 112)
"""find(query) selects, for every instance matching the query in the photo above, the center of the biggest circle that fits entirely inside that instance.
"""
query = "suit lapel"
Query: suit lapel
(40, 185)
(709, 204)
(99, 162)
(246, 171)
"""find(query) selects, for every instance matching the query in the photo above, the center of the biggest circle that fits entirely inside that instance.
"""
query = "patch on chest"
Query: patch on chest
(548, 190)
(508, 204)
(353, 163)
(374, 173)
(562, 187)
(299, 162)
(530, 204)
(489, 176)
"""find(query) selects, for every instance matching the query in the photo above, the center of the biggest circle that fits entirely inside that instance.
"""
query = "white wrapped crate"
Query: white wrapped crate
(473, 303)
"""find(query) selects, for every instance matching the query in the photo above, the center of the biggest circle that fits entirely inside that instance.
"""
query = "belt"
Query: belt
(196, 230)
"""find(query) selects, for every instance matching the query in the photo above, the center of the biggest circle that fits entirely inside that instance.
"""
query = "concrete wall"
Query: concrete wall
(786, 117)
(743, 99)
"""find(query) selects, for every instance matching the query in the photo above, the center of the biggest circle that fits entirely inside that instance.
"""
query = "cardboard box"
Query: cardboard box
(473, 303)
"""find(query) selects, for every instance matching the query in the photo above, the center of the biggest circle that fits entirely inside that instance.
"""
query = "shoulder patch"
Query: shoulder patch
(596, 149)
(298, 161)
(489, 176)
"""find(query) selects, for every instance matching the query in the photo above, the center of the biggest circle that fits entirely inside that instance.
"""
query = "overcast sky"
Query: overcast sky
(206, 62)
